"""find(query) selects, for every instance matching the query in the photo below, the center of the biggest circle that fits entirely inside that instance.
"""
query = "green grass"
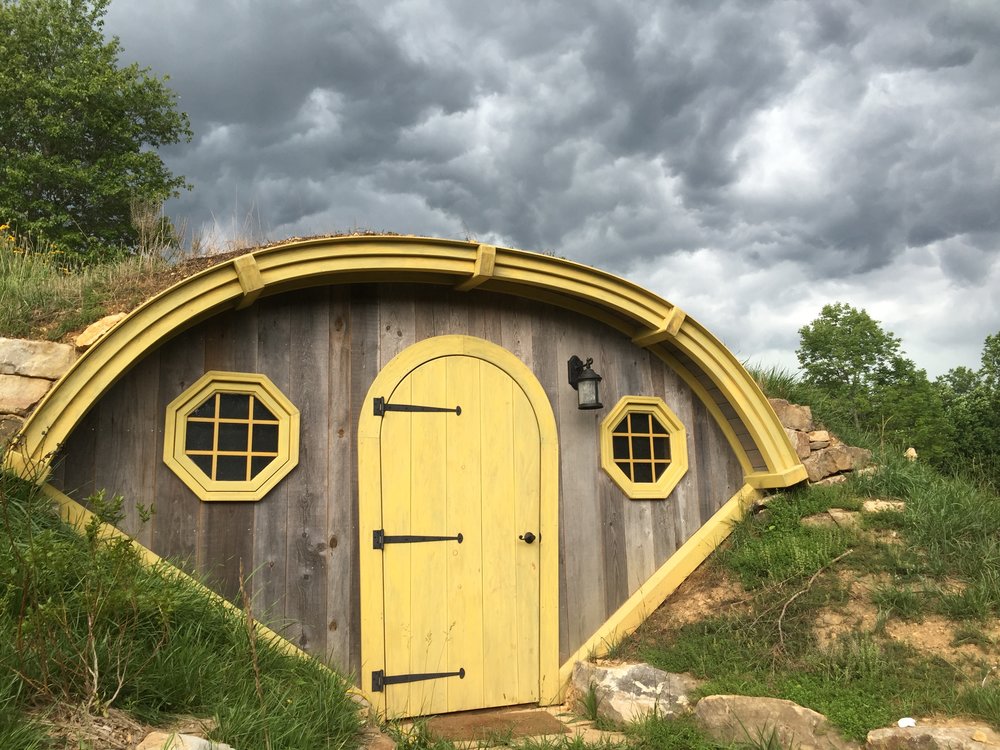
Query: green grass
(946, 562)
(42, 296)
(84, 622)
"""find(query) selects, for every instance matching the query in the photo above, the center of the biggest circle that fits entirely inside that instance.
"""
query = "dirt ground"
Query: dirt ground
(711, 592)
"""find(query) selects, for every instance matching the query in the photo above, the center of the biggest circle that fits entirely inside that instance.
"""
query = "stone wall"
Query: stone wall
(827, 459)
(28, 370)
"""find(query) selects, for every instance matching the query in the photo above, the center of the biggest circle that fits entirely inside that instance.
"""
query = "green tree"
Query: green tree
(79, 131)
(868, 384)
(972, 401)
(845, 354)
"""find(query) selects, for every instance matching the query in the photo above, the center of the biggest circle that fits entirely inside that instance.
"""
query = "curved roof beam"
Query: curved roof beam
(646, 318)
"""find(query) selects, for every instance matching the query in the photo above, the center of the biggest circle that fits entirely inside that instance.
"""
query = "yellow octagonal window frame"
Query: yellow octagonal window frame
(285, 417)
(676, 460)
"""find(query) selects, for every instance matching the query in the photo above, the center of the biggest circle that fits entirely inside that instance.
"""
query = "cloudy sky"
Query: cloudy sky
(748, 160)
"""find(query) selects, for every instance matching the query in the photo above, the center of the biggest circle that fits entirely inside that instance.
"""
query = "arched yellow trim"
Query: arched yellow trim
(370, 504)
(636, 312)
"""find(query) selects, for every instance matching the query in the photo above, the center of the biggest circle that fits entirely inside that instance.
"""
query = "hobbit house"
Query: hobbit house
(381, 432)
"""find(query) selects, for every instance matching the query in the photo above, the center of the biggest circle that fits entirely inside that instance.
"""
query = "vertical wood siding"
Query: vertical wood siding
(323, 348)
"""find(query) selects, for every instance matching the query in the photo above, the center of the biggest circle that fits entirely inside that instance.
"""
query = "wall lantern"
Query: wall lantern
(585, 381)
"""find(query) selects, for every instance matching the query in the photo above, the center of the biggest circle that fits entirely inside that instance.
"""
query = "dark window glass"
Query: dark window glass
(204, 463)
(661, 448)
(258, 464)
(207, 409)
(626, 468)
(233, 437)
(640, 422)
(260, 411)
(660, 468)
(265, 438)
(619, 446)
(643, 472)
(234, 405)
(231, 468)
(199, 436)
(622, 426)
(640, 447)
(659, 429)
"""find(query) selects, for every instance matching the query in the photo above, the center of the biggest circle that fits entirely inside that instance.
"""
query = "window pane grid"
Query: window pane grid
(639, 452)
(257, 415)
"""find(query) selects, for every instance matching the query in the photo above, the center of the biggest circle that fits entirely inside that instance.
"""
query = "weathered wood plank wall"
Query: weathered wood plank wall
(323, 348)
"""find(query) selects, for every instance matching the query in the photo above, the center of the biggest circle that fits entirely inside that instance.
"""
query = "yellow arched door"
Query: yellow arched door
(461, 618)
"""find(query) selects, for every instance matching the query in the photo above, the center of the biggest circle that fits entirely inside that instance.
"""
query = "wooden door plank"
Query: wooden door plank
(429, 622)
(396, 469)
(526, 493)
(469, 562)
(499, 536)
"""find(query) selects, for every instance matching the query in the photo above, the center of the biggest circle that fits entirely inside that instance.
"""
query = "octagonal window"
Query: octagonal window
(231, 436)
(644, 447)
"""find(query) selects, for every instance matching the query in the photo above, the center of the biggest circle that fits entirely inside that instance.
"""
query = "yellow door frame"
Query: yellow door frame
(370, 506)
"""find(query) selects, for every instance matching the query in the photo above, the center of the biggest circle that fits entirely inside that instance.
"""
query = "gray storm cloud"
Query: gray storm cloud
(825, 143)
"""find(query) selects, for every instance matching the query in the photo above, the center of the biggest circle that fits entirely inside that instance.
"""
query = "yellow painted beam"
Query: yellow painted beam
(251, 282)
(619, 303)
(669, 329)
(486, 256)
(778, 479)
(664, 581)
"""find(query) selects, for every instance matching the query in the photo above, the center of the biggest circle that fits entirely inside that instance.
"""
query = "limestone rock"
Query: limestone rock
(819, 439)
(173, 741)
(18, 395)
(877, 506)
(95, 330)
(741, 718)
(861, 458)
(833, 460)
(792, 416)
(800, 442)
(35, 359)
(845, 519)
(835, 479)
(9, 425)
(971, 737)
(376, 740)
(819, 520)
(628, 692)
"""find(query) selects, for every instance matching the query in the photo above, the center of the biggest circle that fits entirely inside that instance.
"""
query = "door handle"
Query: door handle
(527, 537)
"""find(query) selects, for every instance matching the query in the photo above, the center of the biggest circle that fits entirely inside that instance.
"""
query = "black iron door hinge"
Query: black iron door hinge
(379, 539)
(380, 679)
(381, 407)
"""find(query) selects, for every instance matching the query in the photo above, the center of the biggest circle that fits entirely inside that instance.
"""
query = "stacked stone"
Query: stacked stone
(826, 458)
(27, 371)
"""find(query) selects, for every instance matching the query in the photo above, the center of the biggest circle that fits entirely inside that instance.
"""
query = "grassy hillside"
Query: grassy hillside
(896, 616)
(85, 627)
